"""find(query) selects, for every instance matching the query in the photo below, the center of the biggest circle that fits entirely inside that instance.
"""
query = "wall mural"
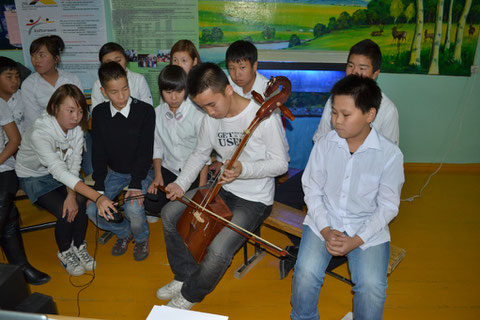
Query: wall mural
(416, 36)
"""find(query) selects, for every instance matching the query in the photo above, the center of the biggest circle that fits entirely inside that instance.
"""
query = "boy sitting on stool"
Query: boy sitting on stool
(122, 138)
(352, 186)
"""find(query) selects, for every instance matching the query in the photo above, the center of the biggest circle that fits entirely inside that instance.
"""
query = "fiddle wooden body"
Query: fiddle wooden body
(198, 233)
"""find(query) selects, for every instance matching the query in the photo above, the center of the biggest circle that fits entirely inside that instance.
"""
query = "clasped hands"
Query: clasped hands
(338, 243)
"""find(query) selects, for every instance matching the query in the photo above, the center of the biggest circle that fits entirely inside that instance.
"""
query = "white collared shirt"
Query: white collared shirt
(259, 85)
(6, 117)
(386, 121)
(358, 194)
(176, 135)
(36, 93)
(138, 89)
(125, 111)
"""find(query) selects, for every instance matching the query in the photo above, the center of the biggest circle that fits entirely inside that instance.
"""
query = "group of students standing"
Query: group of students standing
(137, 147)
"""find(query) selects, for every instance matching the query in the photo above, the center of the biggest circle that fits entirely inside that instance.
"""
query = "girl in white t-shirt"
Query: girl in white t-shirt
(48, 166)
(10, 237)
(40, 85)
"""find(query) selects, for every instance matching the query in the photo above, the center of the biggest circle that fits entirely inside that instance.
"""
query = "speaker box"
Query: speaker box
(37, 303)
(13, 288)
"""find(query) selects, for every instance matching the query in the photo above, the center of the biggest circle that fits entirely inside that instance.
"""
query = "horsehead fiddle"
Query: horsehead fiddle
(206, 213)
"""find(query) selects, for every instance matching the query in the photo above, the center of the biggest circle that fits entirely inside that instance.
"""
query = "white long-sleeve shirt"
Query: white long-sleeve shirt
(176, 135)
(259, 85)
(264, 157)
(138, 89)
(46, 149)
(36, 93)
(358, 194)
(386, 121)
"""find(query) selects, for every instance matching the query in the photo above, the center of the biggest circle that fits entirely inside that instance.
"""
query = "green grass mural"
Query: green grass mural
(336, 25)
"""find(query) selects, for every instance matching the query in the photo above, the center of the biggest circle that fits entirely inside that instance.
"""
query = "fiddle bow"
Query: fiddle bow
(206, 213)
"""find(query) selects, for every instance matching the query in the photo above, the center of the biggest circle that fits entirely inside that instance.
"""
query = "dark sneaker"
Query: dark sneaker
(121, 246)
(140, 251)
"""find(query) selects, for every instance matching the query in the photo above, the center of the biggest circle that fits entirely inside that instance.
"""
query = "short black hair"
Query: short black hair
(7, 64)
(53, 43)
(364, 91)
(206, 76)
(110, 47)
(369, 49)
(241, 50)
(174, 78)
(110, 71)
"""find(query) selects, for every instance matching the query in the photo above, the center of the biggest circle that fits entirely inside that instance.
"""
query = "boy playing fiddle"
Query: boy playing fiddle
(352, 186)
(247, 189)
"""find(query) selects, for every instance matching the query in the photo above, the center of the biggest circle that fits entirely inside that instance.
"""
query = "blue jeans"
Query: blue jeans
(87, 166)
(369, 275)
(136, 221)
(200, 279)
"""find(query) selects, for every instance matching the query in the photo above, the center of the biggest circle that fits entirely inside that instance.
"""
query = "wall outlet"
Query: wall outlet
(474, 69)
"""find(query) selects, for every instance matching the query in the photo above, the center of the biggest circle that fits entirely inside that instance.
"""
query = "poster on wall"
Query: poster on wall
(9, 31)
(81, 25)
(415, 36)
(148, 30)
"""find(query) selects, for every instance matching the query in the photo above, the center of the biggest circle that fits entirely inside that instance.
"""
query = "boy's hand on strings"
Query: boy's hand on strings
(135, 193)
(153, 187)
(105, 206)
(231, 174)
(216, 166)
(174, 191)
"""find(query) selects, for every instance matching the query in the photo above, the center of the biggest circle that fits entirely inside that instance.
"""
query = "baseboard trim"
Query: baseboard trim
(446, 167)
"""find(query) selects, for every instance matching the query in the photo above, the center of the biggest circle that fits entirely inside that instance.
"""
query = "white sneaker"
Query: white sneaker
(179, 302)
(71, 263)
(152, 219)
(169, 290)
(84, 257)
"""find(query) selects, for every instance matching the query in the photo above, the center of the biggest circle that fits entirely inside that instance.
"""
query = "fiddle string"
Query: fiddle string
(209, 195)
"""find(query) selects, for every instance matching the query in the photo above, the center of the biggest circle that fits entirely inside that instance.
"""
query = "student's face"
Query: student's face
(117, 91)
(361, 65)
(243, 73)
(183, 59)
(69, 114)
(43, 61)
(173, 98)
(116, 56)
(9, 82)
(348, 120)
(217, 105)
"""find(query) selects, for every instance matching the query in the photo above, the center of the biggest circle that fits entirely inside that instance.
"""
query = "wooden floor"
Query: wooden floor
(438, 279)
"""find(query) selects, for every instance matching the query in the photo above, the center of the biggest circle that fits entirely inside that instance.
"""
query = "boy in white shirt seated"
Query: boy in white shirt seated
(247, 188)
(352, 186)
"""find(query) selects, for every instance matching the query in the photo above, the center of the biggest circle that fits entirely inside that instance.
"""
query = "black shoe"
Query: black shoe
(34, 276)
(287, 264)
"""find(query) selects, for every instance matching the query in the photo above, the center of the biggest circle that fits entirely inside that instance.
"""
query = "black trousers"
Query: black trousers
(9, 226)
(65, 232)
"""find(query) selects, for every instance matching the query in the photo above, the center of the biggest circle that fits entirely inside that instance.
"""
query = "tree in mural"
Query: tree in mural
(294, 41)
(436, 39)
(319, 30)
(417, 38)
(410, 12)
(457, 53)
(396, 9)
(268, 32)
(449, 26)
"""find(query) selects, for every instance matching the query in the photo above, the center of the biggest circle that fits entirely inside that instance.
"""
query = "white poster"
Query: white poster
(81, 25)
